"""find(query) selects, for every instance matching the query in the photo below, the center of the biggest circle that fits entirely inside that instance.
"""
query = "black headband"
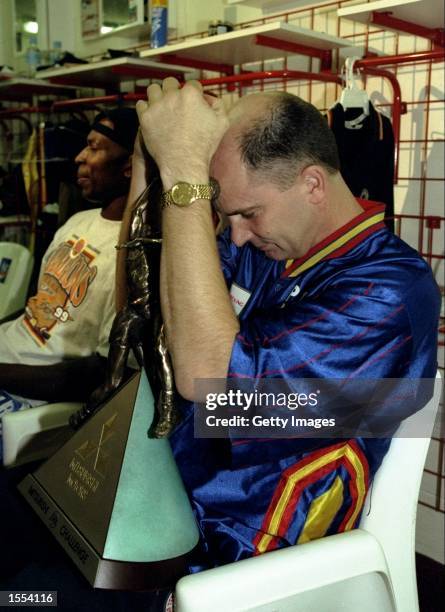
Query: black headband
(125, 126)
(109, 133)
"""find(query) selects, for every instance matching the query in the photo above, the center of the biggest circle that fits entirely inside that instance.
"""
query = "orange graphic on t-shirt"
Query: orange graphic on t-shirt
(65, 280)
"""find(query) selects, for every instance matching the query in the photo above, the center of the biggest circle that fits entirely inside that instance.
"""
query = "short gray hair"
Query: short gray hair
(289, 135)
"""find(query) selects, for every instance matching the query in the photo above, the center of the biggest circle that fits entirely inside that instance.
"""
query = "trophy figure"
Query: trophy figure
(138, 324)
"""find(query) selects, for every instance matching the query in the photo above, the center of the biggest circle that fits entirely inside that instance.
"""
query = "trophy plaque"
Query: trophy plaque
(114, 499)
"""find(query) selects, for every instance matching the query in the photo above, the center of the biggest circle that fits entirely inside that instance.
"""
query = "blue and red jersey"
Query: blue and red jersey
(361, 304)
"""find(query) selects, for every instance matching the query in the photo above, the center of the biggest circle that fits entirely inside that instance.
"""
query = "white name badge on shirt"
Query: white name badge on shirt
(239, 297)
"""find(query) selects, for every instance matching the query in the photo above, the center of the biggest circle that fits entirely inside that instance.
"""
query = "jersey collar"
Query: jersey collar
(342, 240)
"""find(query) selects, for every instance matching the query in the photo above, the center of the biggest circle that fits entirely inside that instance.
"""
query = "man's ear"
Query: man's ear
(128, 167)
(314, 181)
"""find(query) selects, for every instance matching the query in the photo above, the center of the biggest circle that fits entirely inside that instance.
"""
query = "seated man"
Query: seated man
(57, 349)
(306, 283)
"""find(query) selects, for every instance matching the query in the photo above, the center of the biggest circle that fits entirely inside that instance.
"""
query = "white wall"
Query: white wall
(6, 34)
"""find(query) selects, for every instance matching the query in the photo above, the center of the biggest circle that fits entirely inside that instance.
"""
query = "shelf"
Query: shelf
(109, 74)
(423, 13)
(269, 4)
(253, 44)
(20, 88)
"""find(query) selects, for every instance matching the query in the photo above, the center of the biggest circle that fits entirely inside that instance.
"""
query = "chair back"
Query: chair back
(391, 506)
(16, 263)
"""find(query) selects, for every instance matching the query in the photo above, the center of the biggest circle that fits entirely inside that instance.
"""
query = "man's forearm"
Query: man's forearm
(71, 380)
(182, 129)
(201, 323)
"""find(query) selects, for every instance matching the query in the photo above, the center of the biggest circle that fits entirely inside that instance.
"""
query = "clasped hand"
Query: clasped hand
(181, 128)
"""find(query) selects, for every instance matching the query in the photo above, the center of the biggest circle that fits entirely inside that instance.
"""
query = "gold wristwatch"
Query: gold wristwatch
(184, 194)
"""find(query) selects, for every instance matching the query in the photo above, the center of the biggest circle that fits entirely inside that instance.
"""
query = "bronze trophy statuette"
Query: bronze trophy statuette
(101, 494)
(138, 324)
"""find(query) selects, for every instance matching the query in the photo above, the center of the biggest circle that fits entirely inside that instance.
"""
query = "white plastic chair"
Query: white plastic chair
(368, 569)
(16, 263)
(36, 433)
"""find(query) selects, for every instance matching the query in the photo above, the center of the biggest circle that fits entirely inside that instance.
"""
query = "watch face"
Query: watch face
(183, 194)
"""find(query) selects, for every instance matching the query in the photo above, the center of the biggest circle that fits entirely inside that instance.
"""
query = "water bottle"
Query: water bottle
(55, 55)
(32, 56)
(159, 23)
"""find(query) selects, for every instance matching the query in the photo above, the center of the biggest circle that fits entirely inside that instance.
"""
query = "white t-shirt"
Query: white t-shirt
(72, 312)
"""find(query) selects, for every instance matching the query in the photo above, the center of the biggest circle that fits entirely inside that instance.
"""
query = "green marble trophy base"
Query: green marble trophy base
(114, 499)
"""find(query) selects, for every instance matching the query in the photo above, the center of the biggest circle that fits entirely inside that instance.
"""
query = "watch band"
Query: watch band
(184, 194)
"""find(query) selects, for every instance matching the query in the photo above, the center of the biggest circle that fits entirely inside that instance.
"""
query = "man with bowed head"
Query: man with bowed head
(306, 282)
